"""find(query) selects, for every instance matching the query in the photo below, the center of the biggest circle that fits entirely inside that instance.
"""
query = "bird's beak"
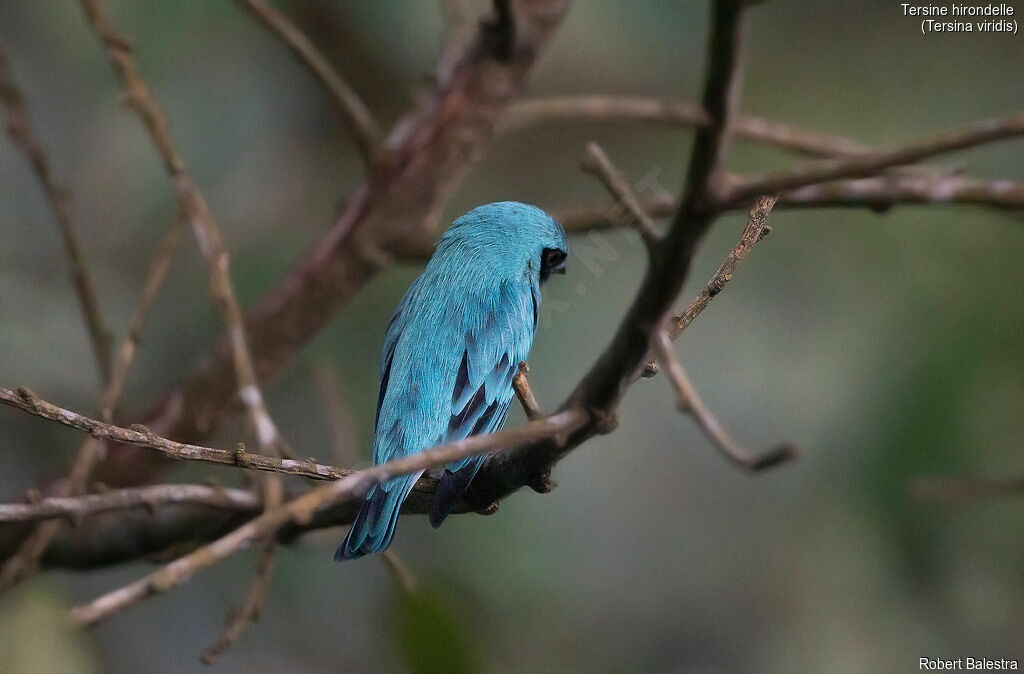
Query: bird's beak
(559, 268)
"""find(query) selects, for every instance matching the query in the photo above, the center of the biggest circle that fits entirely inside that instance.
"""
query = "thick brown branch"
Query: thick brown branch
(358, 118)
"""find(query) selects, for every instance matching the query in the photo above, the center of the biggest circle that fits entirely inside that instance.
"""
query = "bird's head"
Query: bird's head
(509, 239)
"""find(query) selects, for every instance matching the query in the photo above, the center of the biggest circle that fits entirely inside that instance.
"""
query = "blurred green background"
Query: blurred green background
(887, 346)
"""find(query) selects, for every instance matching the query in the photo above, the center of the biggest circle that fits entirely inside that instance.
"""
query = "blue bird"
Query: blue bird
(451, 351)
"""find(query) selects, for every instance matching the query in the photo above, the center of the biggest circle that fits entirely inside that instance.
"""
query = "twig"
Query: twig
(193, 206)
(76, 508)
(597, 163)
(250, 609)
(399, 571)
(302, 508)
(521, 385)
(878, 193)
(157, 272)
(756, 229)
(881, 193)
(602, 108)
(337, 412)
(358, 118)
(951, 490)
(691, 403)
(345, 451)
(20, 131)
(823, 170)
(140, 436)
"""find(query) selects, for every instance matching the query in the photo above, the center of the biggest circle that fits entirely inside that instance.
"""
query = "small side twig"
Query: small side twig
(362, 124)
(345, 452)
(521, 385)
(250, 609)
(756, 229)
(399, 571)
(272, 488)
(597, 163)
(339, 418)
(20, 131)
(691, 403)
(952, 490)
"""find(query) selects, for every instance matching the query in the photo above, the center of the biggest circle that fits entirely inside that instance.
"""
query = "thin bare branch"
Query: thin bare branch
(140, 436)
(882, 193)
(358, 118)
(249, 612)
(399, 571)
(953, 490)
(193, 206)
(339, 418)
(521, 385)
(878, 193)
(652, 110)
(250, 609)
(691, 403)
(155, 276)
(76, 508)
(20, 131)
(597, 163)
(756, 229)
(302, 509)
(823, 170)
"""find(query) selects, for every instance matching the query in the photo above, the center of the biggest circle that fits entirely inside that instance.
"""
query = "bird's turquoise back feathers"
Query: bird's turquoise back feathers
(451, 351)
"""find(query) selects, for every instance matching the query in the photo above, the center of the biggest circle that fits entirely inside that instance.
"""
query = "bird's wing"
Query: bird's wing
(447, 367)
(482, 390)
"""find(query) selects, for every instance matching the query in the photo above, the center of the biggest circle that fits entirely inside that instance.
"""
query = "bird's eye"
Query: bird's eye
(552, 261)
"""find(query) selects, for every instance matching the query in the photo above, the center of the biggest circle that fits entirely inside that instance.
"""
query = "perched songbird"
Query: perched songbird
(451, 351)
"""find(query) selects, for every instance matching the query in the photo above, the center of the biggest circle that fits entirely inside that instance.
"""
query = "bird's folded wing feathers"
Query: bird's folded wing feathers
(463, 386)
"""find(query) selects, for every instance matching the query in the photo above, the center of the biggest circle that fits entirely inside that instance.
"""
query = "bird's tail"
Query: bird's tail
(451, 487)
(374, 526)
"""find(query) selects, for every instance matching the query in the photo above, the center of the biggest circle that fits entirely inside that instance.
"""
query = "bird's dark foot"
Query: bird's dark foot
(490, 509)
(543, 484)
